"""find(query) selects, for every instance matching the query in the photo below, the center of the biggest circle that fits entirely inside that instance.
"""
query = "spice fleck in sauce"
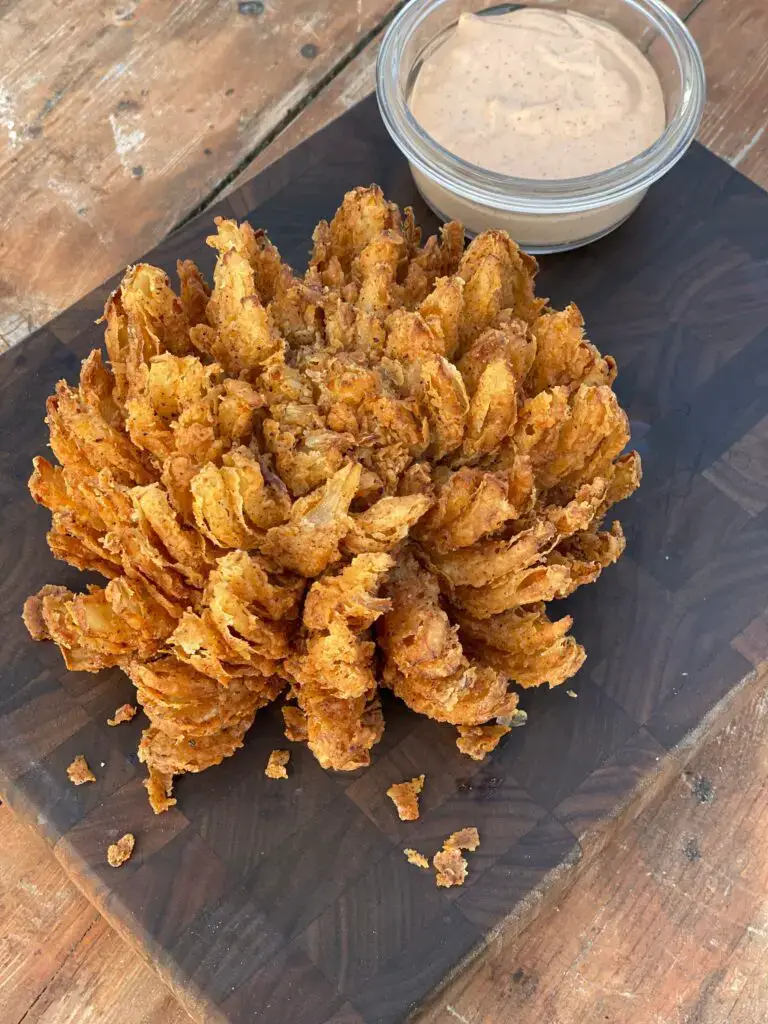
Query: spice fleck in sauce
(539, 94)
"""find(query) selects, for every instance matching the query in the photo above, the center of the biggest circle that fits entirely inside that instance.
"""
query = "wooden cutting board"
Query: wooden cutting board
(292, 903)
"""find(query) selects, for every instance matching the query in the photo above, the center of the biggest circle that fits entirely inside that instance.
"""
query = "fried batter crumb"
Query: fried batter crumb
(79, 772)
(479, 740)
(276, 769)
(118, 853)
(464, 839)
(450, 867)
(405, 797)
(295, 724)
(414, 857)
(159, 786)
(123, 714)
(32, 614)
(572, 693)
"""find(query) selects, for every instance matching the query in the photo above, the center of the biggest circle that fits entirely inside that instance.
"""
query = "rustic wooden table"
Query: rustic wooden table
(117, 122)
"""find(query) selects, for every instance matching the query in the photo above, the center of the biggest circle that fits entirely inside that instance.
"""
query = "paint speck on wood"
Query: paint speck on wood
(691, 849)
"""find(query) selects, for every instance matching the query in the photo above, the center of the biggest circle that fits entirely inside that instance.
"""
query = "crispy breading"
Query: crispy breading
(123, 714)
(190, 554)
(200, 642)
(441, 310)
(578, 560)
(190, 736)
(341, 732)
(386, 523)
(159, 786)
(84, 436)
(309, 542)
(488, 560)
(371, 475)
(586, 554)
(79, 772)
(252, 613)
(144, 318)
(625, 476)
(450, 867)
(349, 595)
(572, 436)
(416, 858)
(586, 505)
(477, 741)
(492, 410)
(172, 408)
(464, 839)
(242, 335)
(194, 292)
(295, 724)
(564, 355)
(469, 504)
(470, 696)
(362, 218)
(494, 368)
(416, 633)
(121, 851)
(524, 644)
(405, 797)
(528, 586)
(276, 764)
(443, 397)
(92, 630)
(410, 337)
(33, 615)
(336, 662)
(499, 276)
(233, 505)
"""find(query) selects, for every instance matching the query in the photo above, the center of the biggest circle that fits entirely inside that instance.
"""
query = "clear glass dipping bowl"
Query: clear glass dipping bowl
(551, 215)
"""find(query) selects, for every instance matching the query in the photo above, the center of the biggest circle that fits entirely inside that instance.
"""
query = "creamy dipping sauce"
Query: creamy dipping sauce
(539, 94)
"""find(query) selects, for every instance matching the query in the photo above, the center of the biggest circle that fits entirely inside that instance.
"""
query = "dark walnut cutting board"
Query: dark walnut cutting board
(292, 903)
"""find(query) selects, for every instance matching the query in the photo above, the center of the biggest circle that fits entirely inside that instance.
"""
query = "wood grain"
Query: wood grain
(59, 960)
(117, 120)
(668, 925)
(733, 39)
(351, 85)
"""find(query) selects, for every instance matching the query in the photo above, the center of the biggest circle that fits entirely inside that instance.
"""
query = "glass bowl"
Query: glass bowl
(541, 215)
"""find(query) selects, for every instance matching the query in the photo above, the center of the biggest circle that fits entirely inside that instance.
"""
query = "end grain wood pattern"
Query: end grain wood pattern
(667, 925)
(297, 899)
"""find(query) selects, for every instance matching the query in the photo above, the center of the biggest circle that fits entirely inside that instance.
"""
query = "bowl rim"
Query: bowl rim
(528, 195)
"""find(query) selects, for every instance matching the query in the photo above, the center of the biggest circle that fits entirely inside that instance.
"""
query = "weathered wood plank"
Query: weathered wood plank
(353, 84)
(59, 960)
(734, 44)
(117, 120)
(666, 926)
